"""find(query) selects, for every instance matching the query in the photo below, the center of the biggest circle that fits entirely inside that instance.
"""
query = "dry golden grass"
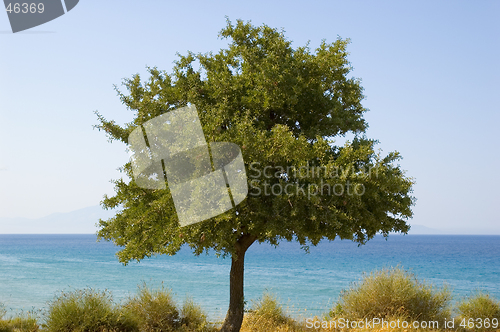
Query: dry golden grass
(268, 315)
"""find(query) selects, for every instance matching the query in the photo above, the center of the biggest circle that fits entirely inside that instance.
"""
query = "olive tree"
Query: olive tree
(284, 107)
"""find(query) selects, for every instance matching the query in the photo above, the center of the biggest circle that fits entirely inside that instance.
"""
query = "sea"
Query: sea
(35, 269)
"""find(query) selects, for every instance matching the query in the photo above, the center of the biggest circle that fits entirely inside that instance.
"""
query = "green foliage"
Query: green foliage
(86, 311)
(479, 306)
(391, 293)
(284, 107)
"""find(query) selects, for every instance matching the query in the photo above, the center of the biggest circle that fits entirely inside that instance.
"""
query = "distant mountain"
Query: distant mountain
(76, 222)
(423, 230)
(84, 221)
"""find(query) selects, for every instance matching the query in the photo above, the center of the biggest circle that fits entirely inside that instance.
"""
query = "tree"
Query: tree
(284, 107)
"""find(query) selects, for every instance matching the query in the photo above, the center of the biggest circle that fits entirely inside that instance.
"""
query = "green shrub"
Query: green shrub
(193, 319)
(393, 293)
(5, 326)
(476, 309)
(268, 315)
(154, 310)
(24, 323)
(19, 324)
(86, 311)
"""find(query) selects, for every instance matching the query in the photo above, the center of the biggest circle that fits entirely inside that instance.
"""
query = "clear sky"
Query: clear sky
(429, 68)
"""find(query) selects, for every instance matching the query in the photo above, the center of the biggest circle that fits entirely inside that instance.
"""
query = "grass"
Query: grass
(389, 294)
(155, 311)
(87, 311)
(393, 294)
(267, 314)
(479, 310)
(24, 323)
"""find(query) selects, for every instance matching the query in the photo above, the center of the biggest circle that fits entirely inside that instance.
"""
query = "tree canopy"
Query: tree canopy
(284, 107)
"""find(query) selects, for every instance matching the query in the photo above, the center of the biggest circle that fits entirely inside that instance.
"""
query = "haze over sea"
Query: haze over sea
(34, 268)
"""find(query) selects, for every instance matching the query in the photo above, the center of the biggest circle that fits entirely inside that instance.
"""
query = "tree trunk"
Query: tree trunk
(234, 316)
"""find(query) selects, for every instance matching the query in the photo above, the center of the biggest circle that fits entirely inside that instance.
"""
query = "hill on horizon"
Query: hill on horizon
(83, 221)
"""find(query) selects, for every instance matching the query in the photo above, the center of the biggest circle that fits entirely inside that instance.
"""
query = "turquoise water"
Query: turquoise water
(34, 268)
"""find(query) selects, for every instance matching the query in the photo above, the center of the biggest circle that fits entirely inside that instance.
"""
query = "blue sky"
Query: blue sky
(430, 72)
